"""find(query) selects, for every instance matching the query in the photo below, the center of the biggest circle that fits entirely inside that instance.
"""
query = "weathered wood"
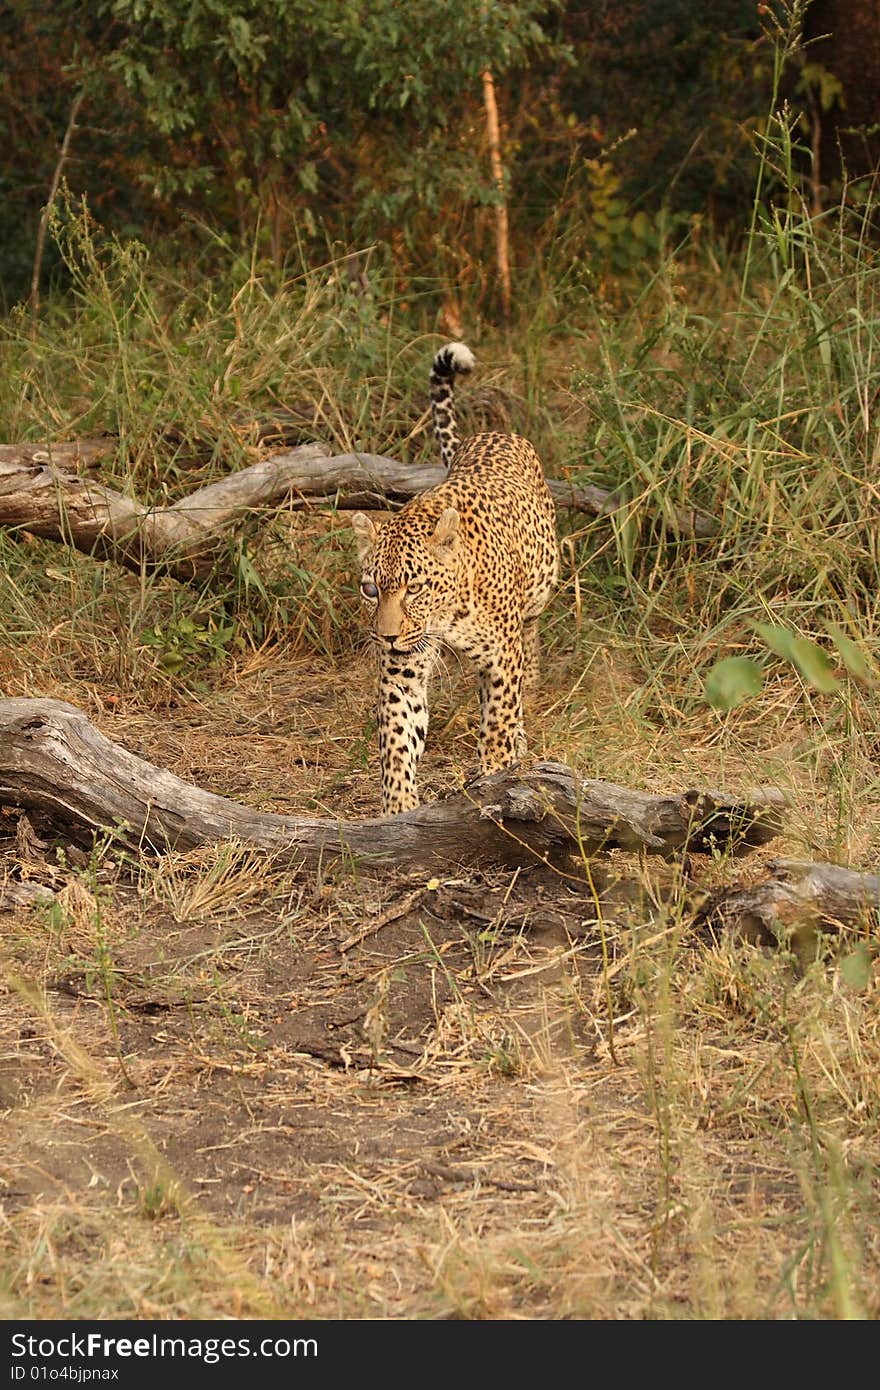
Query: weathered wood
(796, 896)
(14, 894)
(55, 763)
(74, 453)
(43, 496)
(40, 493)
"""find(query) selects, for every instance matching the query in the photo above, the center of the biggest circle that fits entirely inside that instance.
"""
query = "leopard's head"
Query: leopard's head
(409, 576)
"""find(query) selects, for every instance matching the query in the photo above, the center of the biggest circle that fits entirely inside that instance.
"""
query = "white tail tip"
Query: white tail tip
(457, 358)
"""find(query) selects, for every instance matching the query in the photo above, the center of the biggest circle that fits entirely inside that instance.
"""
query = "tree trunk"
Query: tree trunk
(502, 229)
(55, 763)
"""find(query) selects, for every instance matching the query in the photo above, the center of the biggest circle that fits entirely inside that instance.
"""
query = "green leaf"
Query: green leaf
(250, 575)
(731, 681)
(308, 177)
(850, 653)
(813, 664)
(855, 968)
(778, 639)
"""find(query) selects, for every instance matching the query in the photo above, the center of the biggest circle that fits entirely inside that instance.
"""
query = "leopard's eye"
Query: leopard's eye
(369, 589)
(414, 588)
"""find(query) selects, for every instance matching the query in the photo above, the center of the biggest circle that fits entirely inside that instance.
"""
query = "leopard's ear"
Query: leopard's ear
(446, 529)
(364, 534)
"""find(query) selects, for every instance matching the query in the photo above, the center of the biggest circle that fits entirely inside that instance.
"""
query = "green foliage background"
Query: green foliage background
(352, 123)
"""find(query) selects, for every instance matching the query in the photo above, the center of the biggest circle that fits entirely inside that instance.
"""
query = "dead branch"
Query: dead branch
(71, 453)
(55, 763)
(14, 894)
(42, 496)
(795, 897)
(40, 493)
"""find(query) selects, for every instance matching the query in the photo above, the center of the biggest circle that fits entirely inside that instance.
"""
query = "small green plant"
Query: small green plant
(505, 1057)
(622, 239)
(158, 1199)
(188, 643)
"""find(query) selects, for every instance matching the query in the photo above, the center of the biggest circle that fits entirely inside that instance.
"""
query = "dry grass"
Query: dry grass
(213, 1110)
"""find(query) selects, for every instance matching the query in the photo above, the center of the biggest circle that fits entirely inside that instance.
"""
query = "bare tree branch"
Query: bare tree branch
(502, 230)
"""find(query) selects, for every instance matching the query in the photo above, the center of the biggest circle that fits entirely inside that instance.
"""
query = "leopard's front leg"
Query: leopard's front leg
(403, 725)
(502, 737)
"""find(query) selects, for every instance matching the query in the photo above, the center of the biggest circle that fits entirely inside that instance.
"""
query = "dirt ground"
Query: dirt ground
(232, 1086)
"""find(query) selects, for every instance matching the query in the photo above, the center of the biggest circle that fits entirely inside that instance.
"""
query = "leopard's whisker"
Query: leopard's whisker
(443, 652)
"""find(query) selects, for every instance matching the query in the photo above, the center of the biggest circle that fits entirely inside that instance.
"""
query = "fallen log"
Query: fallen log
(797, 898)
(56, 764)
(15, 894)
(41, 495)
(72, 453)
(40, 492)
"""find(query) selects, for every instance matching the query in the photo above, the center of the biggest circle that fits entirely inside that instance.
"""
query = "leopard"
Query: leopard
(467, 565)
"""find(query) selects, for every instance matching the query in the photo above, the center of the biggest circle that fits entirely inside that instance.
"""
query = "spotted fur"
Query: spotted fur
(470, 564)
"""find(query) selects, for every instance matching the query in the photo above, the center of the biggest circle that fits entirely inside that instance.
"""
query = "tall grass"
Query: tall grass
(183, 364)
(742, 384)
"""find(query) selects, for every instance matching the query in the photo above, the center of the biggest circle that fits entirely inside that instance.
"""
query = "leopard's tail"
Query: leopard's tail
(450, 360)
